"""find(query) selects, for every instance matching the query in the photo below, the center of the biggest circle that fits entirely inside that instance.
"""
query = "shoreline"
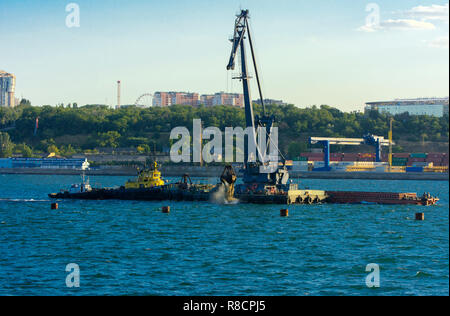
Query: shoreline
(196, 171)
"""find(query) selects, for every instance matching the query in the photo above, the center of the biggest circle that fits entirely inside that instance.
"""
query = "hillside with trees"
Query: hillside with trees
(68, 130)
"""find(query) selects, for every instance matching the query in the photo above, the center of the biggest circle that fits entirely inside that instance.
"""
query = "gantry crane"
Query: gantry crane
(368, 139)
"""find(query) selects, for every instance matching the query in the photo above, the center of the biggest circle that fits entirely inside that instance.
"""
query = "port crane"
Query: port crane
(368, 139)
(253, 167)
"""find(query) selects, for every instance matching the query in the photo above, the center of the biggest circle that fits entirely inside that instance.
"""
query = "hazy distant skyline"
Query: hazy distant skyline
(309, 52)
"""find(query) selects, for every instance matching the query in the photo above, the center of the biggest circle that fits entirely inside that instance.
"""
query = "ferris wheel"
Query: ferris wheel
(144, 101)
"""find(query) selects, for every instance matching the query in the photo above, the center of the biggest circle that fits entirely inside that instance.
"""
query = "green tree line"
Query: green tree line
(73, 129)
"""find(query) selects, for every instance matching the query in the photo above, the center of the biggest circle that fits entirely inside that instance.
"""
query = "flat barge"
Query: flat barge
(288, 194)
(353, 197)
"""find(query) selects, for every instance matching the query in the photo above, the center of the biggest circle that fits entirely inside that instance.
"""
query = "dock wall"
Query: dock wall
(196, 171)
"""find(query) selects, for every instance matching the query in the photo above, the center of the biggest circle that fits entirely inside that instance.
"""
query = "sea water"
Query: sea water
(132, 248)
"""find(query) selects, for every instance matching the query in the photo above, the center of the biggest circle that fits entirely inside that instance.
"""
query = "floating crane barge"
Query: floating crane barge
(195, 192)
(262, 183)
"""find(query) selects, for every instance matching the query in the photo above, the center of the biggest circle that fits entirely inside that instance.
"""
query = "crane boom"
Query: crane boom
(252, 171)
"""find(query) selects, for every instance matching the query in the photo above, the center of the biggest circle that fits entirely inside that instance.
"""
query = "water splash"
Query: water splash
(219, 197)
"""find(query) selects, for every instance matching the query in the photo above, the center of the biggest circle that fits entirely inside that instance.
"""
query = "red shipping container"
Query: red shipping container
(316, 156)
(315, 159)
(416, 159)
(366, 159)
(401, 155)
(435, 155)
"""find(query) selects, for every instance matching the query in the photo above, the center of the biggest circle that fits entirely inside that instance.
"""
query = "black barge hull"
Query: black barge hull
(202, 193)
(153, 194)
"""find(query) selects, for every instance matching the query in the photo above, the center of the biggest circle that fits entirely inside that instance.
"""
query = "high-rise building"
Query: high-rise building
(424, 106)
(172, 98)
(193, 99)
(7, 89)
(222, 98)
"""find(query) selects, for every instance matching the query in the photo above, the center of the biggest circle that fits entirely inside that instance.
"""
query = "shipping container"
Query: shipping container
(366, 159)
(436, 155)
(400, 155)
(417, 159)
(315, 159)
(414, 169)
(418, 155)
(422, 164)
(315, 154)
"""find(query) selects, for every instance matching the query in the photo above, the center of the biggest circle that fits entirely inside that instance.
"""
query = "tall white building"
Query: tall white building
(424, 106)
(7, 89)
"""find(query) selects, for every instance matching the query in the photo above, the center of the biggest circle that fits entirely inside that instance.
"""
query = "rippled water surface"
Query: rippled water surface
(131, 248)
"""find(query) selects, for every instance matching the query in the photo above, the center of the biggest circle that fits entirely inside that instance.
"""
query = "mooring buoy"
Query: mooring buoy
(54, 206)
(166, 209)
(284, 213)
(420, 216)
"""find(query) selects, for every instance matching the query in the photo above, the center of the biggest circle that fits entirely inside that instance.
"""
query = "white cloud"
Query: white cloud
(417, 18)
(369, 28)
(433, 12)
(399, 24)
(407, 24)
(440, 42)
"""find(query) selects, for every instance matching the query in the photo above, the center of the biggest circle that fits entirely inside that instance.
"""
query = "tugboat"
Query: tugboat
(147, 178)
(84, 186)
(146, 181)
(75, 189)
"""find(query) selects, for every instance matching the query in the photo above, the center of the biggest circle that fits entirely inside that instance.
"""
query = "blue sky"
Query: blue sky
(309, 52)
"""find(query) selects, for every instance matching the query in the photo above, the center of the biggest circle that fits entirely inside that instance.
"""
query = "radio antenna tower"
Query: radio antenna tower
(118, 95)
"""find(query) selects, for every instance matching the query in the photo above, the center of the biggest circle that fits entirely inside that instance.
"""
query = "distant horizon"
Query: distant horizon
(253, 101)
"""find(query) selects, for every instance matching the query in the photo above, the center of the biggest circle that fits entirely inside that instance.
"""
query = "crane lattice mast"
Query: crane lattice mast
(252, 171)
